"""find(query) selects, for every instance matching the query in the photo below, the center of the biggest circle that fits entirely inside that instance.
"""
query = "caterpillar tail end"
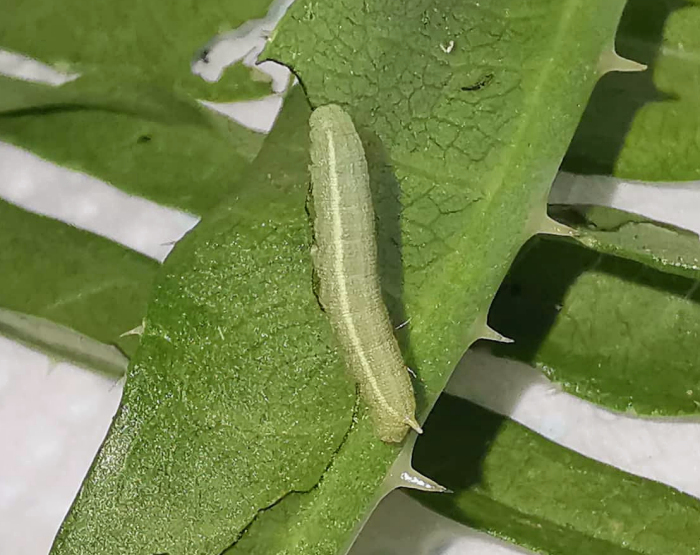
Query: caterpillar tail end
(413, 423)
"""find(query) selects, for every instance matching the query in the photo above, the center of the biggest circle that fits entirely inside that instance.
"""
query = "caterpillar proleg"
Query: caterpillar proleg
(345, 259)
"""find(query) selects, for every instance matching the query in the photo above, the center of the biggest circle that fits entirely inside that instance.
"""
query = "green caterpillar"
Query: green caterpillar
(345, 259)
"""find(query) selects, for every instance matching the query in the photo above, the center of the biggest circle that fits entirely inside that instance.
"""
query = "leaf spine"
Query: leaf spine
(610, 61)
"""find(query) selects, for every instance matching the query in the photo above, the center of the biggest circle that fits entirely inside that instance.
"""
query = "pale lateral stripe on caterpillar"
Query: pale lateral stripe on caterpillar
(345, 260)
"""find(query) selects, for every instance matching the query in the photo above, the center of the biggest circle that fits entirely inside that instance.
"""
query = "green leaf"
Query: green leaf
(62, 342)
(235, 382)
(139, 137)
(644, 125)
(131, 119)
(514, 484)
(132, 39)
(237, 358)
(455, 182)
(603, 327)
(614, 232)
(145, 99)
(56, 272)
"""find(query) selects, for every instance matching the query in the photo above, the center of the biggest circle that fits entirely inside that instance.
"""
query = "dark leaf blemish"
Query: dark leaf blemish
(485, 81)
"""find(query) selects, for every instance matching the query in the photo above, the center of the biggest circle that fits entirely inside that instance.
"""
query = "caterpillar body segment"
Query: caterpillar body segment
(345, 260)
